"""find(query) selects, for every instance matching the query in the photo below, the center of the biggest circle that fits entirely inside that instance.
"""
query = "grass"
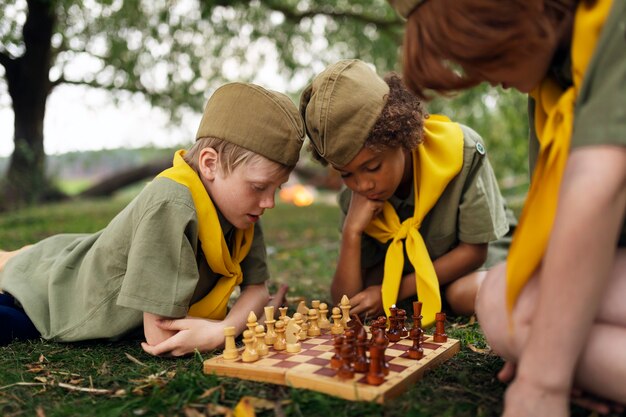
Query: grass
(118, 379)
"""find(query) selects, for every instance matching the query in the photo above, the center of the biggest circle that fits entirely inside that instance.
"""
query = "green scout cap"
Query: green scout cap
(260, 120)
(340, 107)
(405, 7)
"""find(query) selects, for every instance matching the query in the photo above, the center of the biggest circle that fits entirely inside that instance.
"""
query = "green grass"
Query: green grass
(303, 246)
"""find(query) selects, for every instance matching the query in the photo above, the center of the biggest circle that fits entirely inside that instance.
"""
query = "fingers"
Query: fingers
(165, 348)
(176, 324)
(507, 372)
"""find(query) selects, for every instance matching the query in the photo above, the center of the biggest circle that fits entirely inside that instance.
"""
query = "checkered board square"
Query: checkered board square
(310, 368)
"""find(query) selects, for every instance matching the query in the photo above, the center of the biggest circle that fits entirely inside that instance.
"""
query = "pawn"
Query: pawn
(315, 304)
(375, 374)
(416, 351)
(249, 354)
(261, 347)
(345, 307)
(402, 323)
(280, 343)
(337, 327)
(270, 334)
(230, 349)
(440, 336)
(346, 371)
(322, 320)
(335, 360)
(361, 362)
(314, 329)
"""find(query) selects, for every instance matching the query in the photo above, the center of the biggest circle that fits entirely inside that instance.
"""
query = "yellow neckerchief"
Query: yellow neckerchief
(554, 119)
(214, 247)
(435, 162)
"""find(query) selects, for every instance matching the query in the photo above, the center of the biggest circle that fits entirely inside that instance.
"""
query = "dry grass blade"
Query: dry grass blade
(135, 360)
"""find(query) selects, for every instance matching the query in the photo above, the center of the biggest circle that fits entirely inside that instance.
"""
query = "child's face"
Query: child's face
(243, 195)
(377, 175)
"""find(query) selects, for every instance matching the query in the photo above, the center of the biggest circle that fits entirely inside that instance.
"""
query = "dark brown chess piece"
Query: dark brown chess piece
(440, 335)
(393, 334)
(416, 351)
(335, 360)
(402, 323)
(361, 361)
(417, 312)
(346, 371)
(375, 374)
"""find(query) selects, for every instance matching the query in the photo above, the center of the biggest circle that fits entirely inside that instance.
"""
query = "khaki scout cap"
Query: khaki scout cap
(405, 7)
(340, 107)
(260, 120)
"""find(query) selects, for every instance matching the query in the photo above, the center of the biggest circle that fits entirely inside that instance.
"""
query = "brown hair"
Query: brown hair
(400, 123)
(442, 35)
(231, 155)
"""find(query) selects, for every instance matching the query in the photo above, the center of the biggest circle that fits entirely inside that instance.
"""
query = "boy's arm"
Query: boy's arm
(348, 279)
(574, 275)
(153, 333)
(193, 333)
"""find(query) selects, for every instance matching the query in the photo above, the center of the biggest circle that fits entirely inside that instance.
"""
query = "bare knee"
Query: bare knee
(461, 294)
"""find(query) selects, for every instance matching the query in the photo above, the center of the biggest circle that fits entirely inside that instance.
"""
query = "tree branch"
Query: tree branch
(295, 16)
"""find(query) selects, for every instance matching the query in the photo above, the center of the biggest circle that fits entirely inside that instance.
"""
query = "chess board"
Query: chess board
(310, 368)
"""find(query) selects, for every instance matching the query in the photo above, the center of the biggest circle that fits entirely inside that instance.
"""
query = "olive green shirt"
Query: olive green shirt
(148, 259)
(600, 112)
(471, 210)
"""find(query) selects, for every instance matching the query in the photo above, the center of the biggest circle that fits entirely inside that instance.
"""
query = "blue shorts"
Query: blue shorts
(14, 323)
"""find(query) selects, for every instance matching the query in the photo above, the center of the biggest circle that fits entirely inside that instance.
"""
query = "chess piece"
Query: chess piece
(440, 336)
(394, 332)
(261, 347)
(270, 334)
(337, 327)
(384, 342)
(416, 351)
(292, 336)
(313, 329)
(375, 374)
(402, 323)
(315, 304)
(249, 354)
(322, 321)
(361, 362)
(303, 309)
(345, 307)
(283, 314)
(346, 371)
(280, 343)
(252, 322)
(417, 314)
(230, 349)
(335, 360)
(297, 317)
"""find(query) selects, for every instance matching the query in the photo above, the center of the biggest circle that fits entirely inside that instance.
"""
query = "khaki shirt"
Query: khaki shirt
(148, 259)
(471, 210)
(600, 113)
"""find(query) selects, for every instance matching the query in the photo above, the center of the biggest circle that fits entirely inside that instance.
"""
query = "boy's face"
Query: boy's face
(377, 175)
(243, 195)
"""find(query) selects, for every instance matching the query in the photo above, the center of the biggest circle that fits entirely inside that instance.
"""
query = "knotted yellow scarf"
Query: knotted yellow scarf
(435, 162)
(554, 118)
(214, 247)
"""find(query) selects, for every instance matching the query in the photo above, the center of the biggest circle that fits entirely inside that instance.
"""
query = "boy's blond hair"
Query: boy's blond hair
(231, 155)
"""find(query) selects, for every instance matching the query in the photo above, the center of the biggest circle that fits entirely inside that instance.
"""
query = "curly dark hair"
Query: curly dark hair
(401, 122)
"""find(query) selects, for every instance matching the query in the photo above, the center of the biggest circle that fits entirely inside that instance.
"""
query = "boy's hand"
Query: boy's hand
(191, 334)
(361, 212)
(368, 302)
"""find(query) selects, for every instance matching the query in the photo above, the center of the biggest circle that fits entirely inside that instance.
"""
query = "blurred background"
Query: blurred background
(96, 95)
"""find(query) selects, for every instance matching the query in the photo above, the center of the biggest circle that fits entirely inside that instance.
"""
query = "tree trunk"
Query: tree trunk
(29, 87)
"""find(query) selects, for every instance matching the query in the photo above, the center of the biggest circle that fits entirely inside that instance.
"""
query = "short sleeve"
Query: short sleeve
(600, 115)
(162, 272)
(482, 217)
(254, 265)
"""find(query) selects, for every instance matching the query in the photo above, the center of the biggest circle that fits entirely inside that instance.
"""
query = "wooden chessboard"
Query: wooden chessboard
(310, 368)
